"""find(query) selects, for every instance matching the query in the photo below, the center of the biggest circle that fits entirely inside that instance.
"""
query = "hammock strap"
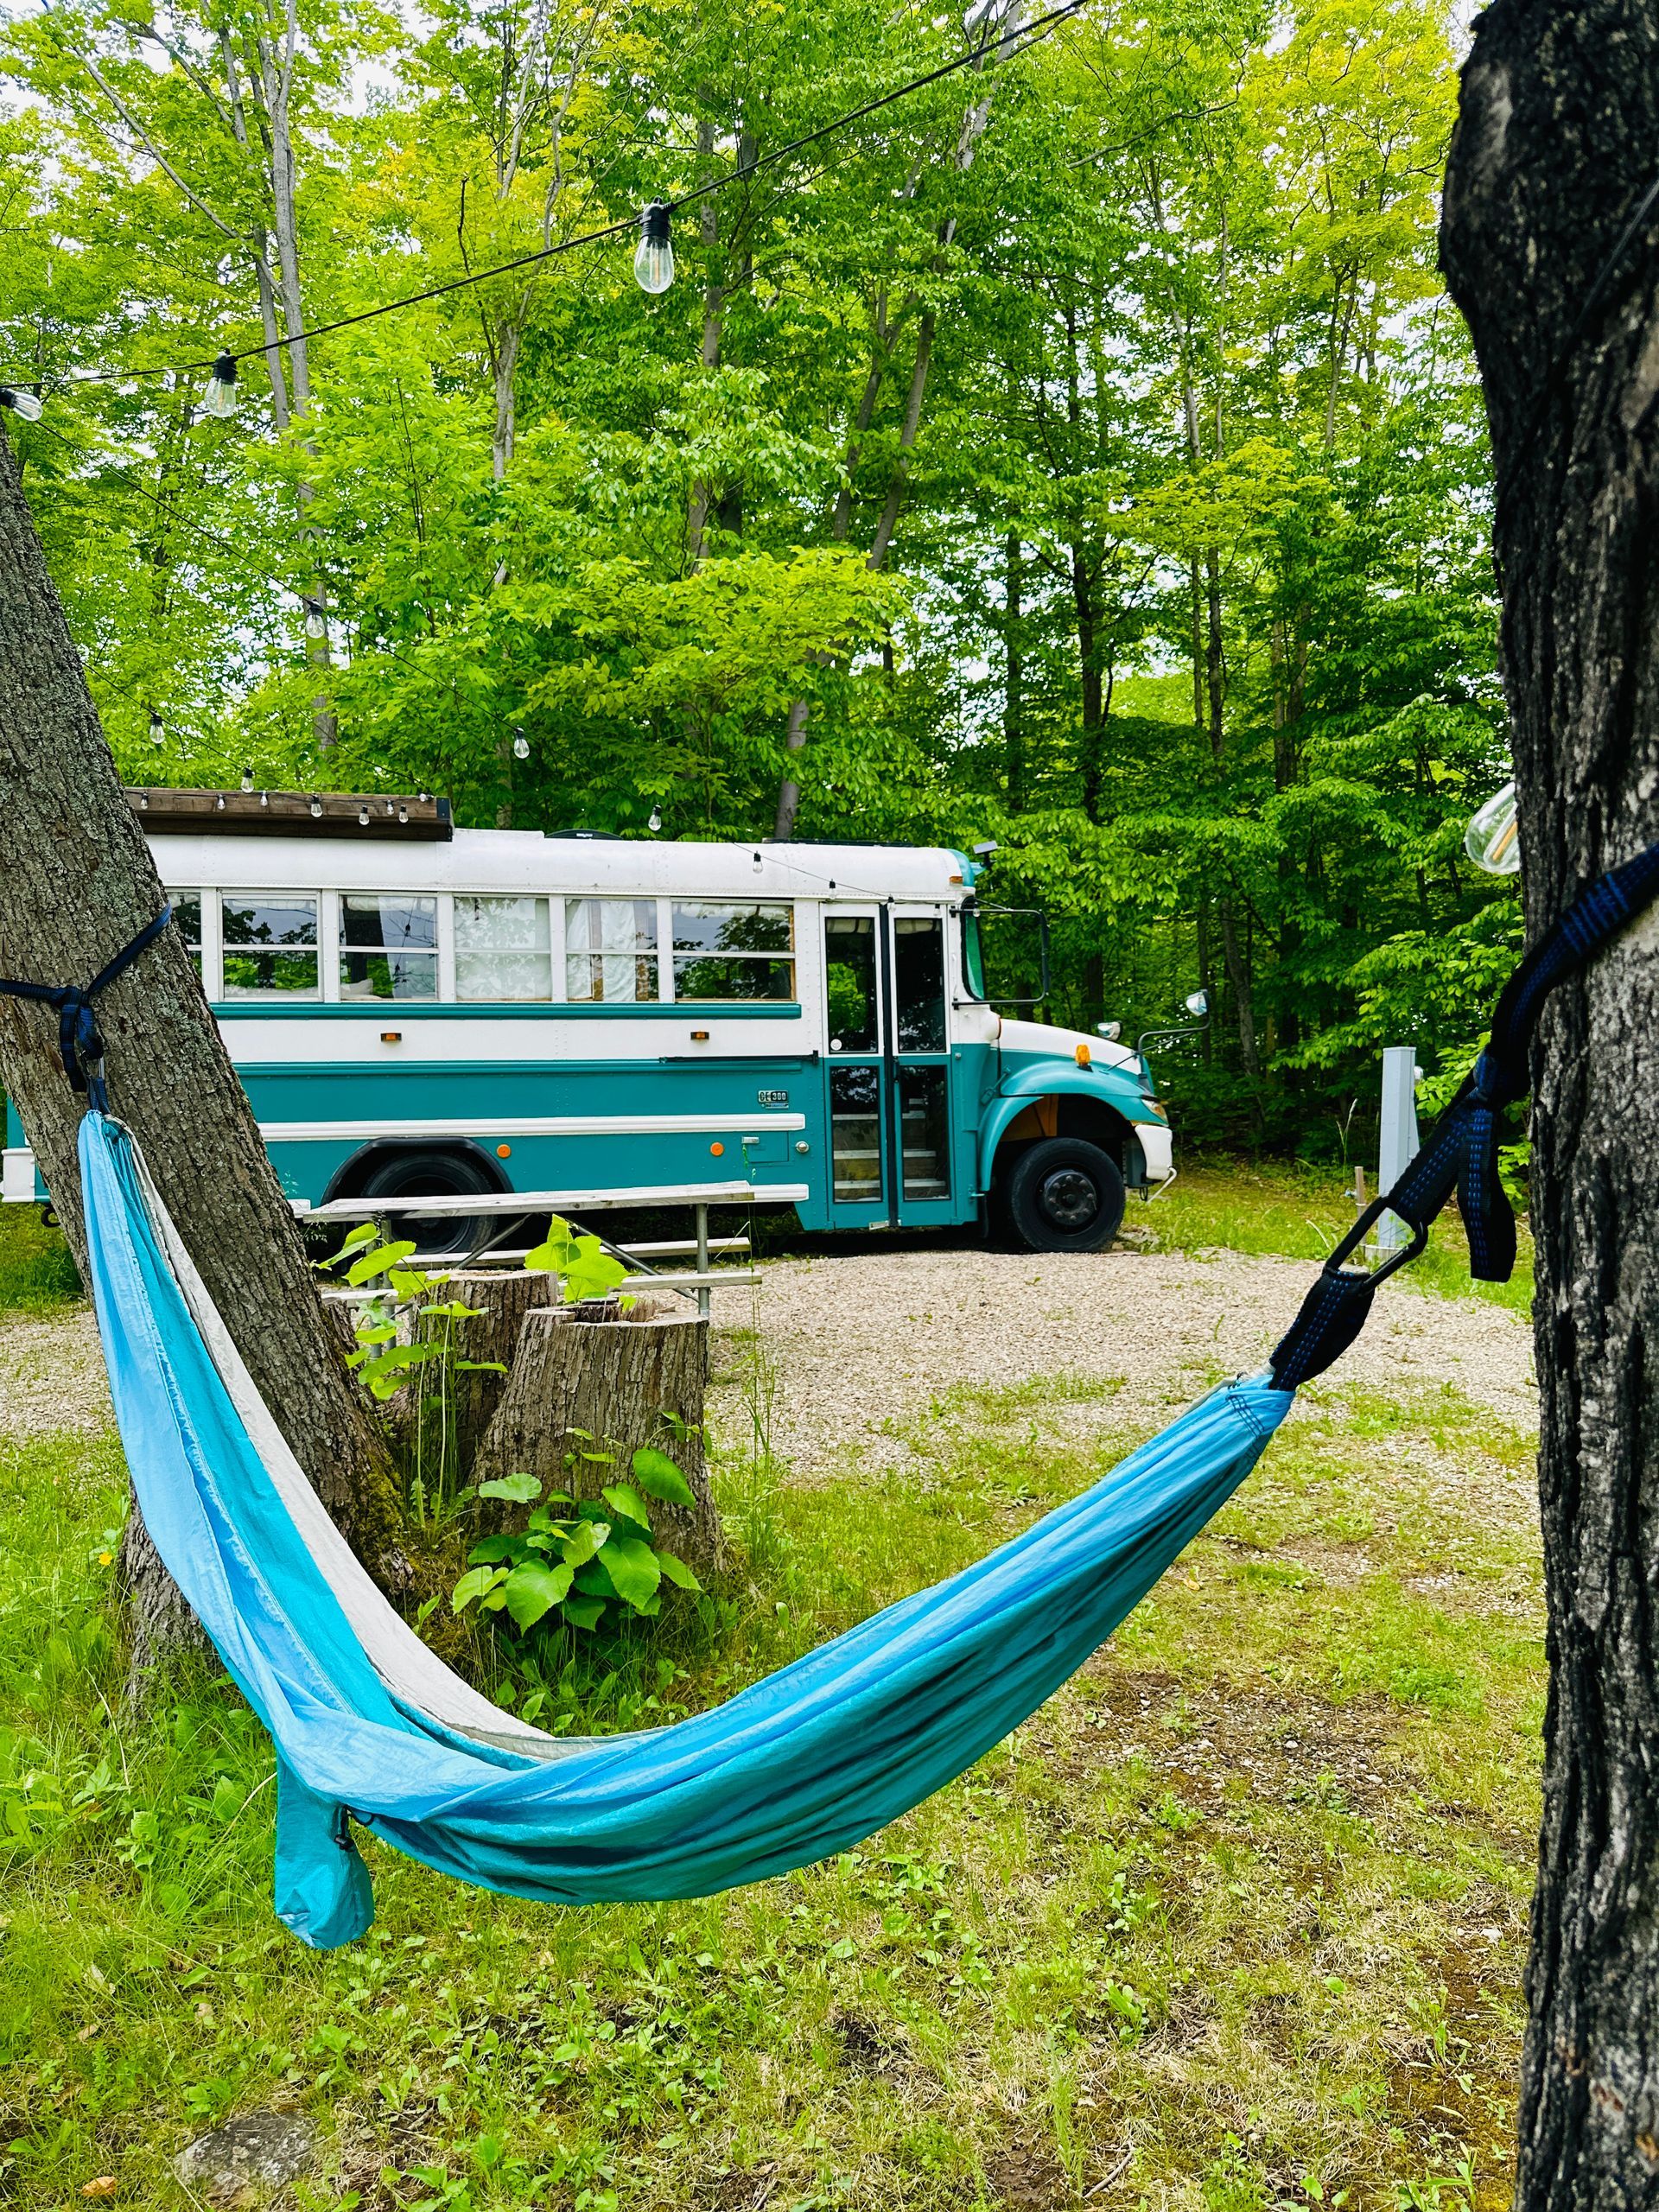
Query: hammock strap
(79, 1043)
(1460, 1153)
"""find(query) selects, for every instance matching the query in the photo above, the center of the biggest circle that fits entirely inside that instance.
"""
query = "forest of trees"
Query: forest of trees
(1080, 453)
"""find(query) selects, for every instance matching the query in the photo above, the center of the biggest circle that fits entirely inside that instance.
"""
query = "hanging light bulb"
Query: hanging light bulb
(653, 258)
(520, 746)
(317, 620)
(316, 810)
(247, 779)
(655, 821)
(1493, 840)
(157, 731)
(362, 817)
(28, 404)
(221, 388)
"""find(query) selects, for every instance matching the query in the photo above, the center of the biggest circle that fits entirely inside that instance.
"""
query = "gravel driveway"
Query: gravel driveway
(861, 1344)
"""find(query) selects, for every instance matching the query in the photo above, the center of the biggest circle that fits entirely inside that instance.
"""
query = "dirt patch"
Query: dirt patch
(863, 1343)
(1288, 1750)
(1026, 2177)
(52, 1377)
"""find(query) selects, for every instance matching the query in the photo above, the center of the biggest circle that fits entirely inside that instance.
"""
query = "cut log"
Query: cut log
(503, 1300)
(615, 1379)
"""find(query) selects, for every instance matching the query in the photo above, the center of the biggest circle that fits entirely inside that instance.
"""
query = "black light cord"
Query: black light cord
(1004, 48)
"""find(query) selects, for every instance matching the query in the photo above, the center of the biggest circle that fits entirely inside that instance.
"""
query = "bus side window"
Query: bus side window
(732, 952)
(919, 982)
(388, 946)
(503, 949)
(849, 981)
(270, 944)
(186, 912)
(610, 949)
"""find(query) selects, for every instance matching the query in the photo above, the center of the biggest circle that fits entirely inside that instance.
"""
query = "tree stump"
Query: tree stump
(615, 1379)
(502, 1297)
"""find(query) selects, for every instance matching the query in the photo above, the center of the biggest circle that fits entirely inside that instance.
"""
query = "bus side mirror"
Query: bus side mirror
(1197, 1004)
(1111, 1031)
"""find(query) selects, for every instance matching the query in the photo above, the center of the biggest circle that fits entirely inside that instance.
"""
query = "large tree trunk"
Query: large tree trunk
(1557, 141)
(580, 1387)
(76, 884)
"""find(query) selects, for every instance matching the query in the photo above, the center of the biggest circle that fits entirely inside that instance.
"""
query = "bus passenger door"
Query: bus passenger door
(919, 1067)
(854, 1044)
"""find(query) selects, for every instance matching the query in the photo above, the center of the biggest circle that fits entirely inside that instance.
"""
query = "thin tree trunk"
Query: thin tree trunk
(1013, 697)
(1554, 146)
(76, 884)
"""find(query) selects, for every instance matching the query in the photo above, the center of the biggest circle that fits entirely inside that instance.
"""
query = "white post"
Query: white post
(1399, 1134)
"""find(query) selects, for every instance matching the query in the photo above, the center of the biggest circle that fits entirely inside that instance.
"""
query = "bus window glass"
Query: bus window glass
(923, 1119)
(388, 946)
(610, 949)
(849, 981)
(270, 944)
(919, 982)
(186, 912)
(503, 949)
(730, 952)
(856, 1135)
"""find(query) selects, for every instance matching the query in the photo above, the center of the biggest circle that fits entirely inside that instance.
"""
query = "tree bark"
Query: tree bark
(76, 884)
(614, 1381)
(1554, 146)
(502, 1296)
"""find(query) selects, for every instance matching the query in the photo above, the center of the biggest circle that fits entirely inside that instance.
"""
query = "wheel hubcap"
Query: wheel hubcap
(1070, 1198)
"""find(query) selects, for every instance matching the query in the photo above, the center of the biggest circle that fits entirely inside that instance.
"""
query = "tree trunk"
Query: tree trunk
(615, 1380)
(1554, 146)
(76, 884)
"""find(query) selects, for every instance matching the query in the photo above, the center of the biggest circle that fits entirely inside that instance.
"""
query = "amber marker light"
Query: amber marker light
(717, 1149)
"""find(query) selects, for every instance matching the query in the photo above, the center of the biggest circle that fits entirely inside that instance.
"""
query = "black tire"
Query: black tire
(1064, 1195)
(434, 1175)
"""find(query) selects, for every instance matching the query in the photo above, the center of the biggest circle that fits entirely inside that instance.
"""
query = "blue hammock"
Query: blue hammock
(803, 1764)
(371, 1728)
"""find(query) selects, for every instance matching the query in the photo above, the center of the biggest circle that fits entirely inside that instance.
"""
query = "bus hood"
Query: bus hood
(1043, 1041)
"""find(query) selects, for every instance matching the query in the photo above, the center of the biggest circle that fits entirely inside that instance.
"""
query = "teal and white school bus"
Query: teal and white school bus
(417, 1010)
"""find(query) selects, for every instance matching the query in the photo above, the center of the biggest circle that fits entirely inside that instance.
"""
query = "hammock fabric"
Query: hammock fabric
(371, 1727)
(804, 1764)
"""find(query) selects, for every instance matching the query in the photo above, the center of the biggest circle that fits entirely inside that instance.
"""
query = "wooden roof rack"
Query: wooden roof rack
(380, 817)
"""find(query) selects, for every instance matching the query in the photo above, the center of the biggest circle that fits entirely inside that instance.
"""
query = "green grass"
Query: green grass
(1304, 1212)
(1234, 1923)
(37, 1275)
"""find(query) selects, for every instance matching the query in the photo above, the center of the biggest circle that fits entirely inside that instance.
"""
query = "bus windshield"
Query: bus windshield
(1005, 954)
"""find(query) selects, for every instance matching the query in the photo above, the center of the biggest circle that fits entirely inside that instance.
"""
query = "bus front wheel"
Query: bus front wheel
(1065, 1195)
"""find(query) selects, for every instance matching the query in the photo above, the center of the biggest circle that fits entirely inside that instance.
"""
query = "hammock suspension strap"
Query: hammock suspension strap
(1460, 1153)
(79, 1043)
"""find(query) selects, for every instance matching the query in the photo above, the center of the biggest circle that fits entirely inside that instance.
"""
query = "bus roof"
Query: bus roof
(524, 861)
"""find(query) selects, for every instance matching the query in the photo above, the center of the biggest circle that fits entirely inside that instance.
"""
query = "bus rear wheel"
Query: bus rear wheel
(433, 1175)
(1065, 1195)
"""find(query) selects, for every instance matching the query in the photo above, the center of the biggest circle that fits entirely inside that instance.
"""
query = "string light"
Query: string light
(221, 398)
(28, 404)
(520, 746)
(157, 730)
(655, 821)
(221, 388)
(247, 779)
(316, 810)
(653, 258)
(316, 619)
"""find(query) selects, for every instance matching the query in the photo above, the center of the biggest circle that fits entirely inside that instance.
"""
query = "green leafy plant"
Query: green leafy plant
(403, 1328)
(588, 1562)
(580, 1261)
